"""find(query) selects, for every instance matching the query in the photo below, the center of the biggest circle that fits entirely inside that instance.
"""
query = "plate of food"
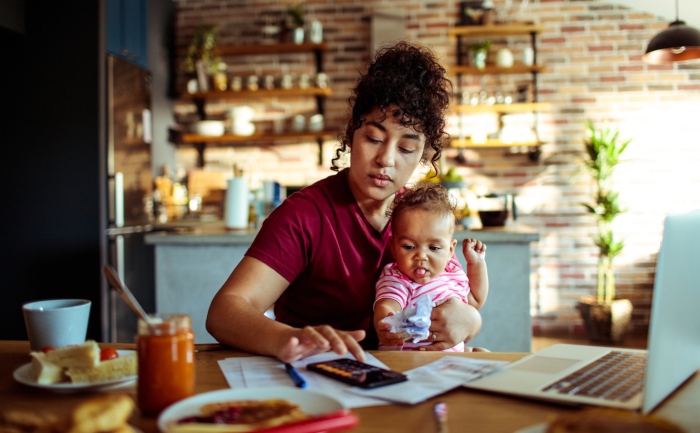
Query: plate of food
(268, 409)
(79, 368)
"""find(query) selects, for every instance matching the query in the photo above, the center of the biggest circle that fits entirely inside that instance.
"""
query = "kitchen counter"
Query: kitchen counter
(193, 260)
(215, 233)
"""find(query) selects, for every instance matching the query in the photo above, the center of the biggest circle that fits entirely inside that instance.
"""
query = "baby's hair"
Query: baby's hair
(428, 196)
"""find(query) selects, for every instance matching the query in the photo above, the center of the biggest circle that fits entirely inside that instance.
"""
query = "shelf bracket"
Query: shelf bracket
(200, 154)
(319, 140)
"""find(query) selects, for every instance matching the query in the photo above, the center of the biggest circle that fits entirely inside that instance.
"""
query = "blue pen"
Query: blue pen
(296, 377)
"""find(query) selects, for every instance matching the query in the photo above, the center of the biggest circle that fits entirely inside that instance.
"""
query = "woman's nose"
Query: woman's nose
(385, 157)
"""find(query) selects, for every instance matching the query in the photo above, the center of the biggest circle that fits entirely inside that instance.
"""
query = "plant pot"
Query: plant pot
(607, 322)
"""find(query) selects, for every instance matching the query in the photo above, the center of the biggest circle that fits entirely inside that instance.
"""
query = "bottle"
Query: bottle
(316, 31)
(165, 362)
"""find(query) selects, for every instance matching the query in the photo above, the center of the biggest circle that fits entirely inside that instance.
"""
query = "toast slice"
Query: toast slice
(113, 369)
(45, 371)
(80, 355)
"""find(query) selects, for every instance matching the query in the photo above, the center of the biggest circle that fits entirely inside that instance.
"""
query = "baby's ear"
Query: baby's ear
(453, 245)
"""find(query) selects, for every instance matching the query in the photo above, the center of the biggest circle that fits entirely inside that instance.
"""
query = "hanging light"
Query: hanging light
(677, 43)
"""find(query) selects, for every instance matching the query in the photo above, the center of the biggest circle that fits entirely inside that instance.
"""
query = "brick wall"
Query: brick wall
(592, 51)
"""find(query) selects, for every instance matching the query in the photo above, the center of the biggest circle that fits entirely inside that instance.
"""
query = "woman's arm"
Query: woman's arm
(236, 318)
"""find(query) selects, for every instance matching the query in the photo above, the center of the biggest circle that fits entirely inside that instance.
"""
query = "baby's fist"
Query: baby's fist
(473, 250)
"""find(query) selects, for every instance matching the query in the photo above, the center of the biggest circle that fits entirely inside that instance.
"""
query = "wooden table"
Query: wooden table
(468, 410)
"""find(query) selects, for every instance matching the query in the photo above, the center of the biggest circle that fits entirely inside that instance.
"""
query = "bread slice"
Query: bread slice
(45, 371)
(112, 369)
(102, 413)
(80, 355)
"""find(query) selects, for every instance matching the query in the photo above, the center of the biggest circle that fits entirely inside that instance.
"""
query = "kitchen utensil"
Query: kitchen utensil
(495, 209)
(117, 283)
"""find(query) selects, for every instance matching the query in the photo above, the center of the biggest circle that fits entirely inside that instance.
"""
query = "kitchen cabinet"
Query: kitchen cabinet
(526, 103)
(127, 30)
(200, 99)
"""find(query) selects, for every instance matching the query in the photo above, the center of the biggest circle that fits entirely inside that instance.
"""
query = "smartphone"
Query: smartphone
(357, 373)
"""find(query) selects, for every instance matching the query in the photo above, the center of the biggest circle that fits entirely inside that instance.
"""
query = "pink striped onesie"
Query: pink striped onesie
(393, 284)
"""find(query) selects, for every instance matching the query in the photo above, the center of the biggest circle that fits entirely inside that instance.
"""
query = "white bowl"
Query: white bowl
(212, 128)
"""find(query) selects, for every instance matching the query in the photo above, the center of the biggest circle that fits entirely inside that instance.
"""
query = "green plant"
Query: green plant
(603, 148)
(204, 48)
(296, 13)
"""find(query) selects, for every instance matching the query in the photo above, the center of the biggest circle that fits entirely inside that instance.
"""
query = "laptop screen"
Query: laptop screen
(674, 332)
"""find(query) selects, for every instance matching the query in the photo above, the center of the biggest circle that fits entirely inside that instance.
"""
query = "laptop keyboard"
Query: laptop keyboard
(616, 376)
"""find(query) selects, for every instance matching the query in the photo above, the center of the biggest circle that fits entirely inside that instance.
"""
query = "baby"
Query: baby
(423, 246)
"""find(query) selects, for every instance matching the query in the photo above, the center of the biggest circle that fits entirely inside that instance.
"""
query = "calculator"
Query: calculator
(357, 373)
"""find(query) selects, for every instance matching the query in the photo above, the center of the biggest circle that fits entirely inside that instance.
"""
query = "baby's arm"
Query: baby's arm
(475, 255)
(383, 308)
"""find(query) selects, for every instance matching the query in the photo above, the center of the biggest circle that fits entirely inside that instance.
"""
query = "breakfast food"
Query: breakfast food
(45, 371)
(241, 416)
(80, 355)
(609, 421)
(111, 369)
(84, 363)
(105, 413)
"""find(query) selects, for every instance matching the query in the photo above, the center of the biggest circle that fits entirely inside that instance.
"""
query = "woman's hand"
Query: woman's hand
(451, 323)
(311, 340)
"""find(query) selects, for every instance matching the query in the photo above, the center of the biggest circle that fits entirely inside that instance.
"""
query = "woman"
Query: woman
(318, 256)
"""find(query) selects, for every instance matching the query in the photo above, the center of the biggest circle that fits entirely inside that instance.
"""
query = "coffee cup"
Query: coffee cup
(56, 322)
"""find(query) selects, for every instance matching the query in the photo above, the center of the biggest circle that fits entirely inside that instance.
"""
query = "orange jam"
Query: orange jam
(165, 362)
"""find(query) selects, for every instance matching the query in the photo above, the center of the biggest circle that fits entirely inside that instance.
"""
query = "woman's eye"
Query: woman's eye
(373, 140)
(404, 150)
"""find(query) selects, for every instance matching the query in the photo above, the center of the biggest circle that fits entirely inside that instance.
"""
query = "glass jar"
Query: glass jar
(165, 361)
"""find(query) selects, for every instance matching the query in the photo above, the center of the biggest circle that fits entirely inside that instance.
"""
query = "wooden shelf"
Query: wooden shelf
(496, 30)
(502, 108)
(285, 48)
(262, 93)
(187, 138)
(492, 69)
(490, 143)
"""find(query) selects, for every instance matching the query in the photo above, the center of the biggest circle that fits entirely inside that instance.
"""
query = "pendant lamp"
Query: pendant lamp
(675, 44)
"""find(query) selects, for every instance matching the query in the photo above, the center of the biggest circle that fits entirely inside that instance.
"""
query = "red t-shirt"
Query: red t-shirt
(320, 242)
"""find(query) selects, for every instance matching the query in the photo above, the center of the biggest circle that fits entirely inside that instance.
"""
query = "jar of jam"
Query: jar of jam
(165, 361)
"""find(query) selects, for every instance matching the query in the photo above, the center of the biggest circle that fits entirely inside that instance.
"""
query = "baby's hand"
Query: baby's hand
(386, 337)
(474, 250)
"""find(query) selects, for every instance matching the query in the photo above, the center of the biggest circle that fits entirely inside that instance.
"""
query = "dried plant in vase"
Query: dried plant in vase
(606, 317)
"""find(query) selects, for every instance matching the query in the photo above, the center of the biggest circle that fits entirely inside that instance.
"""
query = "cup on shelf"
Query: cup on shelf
(298, 123)
(304, 81)
(316, 123)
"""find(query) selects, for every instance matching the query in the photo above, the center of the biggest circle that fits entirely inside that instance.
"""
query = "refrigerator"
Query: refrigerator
(129, 197)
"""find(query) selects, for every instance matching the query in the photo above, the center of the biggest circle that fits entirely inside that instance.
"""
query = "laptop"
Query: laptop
(580, 375)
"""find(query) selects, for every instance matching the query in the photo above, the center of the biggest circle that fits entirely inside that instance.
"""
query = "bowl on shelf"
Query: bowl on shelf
(210, 128)
(493, 218)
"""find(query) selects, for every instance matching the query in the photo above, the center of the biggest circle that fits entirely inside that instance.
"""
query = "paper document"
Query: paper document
(259, 371)
(433, 379)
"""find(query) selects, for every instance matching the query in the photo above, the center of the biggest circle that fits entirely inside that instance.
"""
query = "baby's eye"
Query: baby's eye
(433, 248)
(407, 247)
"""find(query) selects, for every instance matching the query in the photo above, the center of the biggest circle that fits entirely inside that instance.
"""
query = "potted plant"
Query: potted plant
(202, 56)
(606, 318)
(477, 53)
(296, 15)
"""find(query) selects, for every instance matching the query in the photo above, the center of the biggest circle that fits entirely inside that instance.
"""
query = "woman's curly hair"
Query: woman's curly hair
(427, 196)
(409, 77)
